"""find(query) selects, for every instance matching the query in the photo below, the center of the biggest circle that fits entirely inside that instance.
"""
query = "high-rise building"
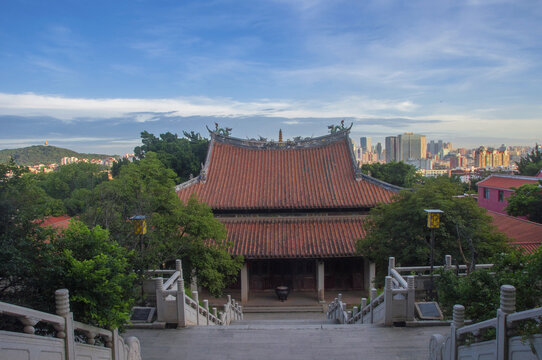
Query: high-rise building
(365, 143)
(484, 157)
(411, 146)
(391, 149)
(379, 151)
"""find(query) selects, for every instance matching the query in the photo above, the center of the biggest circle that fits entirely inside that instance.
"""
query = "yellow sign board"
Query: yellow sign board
(140, 227)
(433, 220)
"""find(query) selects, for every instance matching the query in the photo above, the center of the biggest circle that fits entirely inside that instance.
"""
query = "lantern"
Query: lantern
(140, 224)
(433, 218)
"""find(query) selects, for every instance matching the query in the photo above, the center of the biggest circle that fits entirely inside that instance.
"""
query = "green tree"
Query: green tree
(532, 163)
(526, 201)
(183, 155)
(396, 173)
(67, 186)
(174, 230)
(399, 229)
(479, 292)
(97, 273)
(36, 261)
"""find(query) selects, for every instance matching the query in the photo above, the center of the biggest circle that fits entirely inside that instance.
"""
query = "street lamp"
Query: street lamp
(433, 222)
(140, 228)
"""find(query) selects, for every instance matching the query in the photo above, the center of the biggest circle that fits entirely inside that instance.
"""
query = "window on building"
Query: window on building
(486, 193)
(501, 195)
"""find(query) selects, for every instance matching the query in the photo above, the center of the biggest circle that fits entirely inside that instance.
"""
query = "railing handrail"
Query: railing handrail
(524, 315)
(401, 269)
(399, 278)
(20, 311)
(92, 329)
(171, 281)
(491, 323)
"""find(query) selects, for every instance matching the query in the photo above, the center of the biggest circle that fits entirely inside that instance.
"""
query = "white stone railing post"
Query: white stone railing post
(196, 299)
(215, 313)
(206, 306)
(159, 288)
(457, 323)
(447, 262)
(373, 297)
(225, 315)
(507, 306)
(181, 303)
(411, 297)
(62, 302)
(240, 312)
(391, 264)
(388, 300)
(363, 305)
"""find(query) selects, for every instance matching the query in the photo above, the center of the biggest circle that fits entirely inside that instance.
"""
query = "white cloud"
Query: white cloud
(72, 108)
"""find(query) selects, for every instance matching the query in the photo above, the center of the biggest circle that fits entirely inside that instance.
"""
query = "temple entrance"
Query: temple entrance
(343, 274)
(297, 274)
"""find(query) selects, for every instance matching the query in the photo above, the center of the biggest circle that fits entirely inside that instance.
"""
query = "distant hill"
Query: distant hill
(42, 154)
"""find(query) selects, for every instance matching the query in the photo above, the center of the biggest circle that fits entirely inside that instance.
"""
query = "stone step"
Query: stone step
(284, 322)
(283, 309)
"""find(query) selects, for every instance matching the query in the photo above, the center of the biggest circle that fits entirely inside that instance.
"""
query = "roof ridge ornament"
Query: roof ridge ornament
(337, 128)
(220, 131)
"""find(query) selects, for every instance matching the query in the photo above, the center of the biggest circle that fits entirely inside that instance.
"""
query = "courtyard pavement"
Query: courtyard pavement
(287, 339)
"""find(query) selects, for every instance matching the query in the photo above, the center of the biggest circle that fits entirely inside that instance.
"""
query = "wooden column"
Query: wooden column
(244, 284)
(320, 281)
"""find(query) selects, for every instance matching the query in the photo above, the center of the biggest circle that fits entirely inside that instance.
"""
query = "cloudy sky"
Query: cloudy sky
(91, 75)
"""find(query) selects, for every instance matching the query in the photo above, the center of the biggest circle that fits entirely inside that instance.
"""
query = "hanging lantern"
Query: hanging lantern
(433, 218)
(140, 224)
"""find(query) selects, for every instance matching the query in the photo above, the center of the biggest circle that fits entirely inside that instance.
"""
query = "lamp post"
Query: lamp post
(433, 222)
(140, 228)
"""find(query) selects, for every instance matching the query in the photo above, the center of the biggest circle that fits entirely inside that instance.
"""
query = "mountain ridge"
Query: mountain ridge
(44, 154)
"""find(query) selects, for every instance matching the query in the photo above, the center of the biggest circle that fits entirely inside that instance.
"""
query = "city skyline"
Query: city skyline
(92, 76)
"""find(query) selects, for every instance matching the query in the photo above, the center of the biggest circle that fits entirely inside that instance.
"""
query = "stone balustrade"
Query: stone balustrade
(394, 305)
(174, 306)
(468, 342)
(64, 346)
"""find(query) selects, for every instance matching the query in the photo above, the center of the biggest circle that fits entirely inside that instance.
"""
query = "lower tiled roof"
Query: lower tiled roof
(525, 234)
(294, 236)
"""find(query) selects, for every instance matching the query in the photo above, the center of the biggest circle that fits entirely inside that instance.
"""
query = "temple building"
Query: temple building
(294, 209)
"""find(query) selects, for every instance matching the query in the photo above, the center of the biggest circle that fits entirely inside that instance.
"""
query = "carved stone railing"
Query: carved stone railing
(394, 305)
(423, 272)
(64, 346)
(505, 346)
(174, 306)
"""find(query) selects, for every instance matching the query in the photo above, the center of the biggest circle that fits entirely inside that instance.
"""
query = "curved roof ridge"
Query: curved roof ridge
(297, 143)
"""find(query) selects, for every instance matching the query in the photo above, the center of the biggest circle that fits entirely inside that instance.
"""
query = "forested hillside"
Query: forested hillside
(41, 154)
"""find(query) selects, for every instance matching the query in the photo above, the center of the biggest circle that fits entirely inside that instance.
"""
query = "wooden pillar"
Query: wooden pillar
(320, 281)
(244, 283)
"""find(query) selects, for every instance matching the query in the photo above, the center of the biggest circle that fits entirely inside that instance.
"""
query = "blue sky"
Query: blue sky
(91, 75)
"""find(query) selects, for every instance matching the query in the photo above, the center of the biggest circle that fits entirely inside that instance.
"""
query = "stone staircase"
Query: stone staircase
(289, 336)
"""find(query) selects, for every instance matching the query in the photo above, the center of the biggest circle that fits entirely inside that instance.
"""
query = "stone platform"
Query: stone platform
(286, 339)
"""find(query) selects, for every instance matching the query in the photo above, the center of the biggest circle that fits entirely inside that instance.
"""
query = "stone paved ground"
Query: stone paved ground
(286, 340)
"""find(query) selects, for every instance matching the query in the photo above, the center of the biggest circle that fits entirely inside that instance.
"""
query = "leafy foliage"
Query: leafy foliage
(396, 173)
(182, 155)
(532, 163)
(40, 154)
(97, 273)
(70, 185)
(399, 229)
(479, 292)
(175, 230)
(35, 261)
(526, 201)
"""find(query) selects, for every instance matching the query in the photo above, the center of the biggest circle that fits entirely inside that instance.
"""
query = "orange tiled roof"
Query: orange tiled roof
(507, 181)
(525, 234)
(320, 174)
(295, 236)
(56, 222)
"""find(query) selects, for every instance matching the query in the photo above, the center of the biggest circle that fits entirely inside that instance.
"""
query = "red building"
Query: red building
(526, 235)
(293, 209)
(495, 189)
